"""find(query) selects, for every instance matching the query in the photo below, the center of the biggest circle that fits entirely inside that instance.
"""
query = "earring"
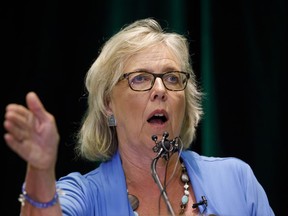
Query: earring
(111, 121)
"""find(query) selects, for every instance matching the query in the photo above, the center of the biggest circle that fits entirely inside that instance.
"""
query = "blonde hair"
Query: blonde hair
(96, 140)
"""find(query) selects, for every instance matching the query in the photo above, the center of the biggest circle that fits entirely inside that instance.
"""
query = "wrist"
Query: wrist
(25, 197)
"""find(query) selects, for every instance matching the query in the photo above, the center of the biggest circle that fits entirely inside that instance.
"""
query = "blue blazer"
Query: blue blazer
(228, 184)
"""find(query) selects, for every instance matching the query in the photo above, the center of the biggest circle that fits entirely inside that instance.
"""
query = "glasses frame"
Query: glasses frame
(160, 75)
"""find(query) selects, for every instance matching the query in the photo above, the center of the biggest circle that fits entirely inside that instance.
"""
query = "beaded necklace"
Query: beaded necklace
(185, 179)
(134, 201)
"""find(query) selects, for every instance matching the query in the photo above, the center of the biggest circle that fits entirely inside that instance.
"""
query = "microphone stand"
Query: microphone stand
(163, 148)
(158, 182)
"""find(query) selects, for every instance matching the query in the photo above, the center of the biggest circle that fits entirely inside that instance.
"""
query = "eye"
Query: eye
(139, 78)
(172, 78)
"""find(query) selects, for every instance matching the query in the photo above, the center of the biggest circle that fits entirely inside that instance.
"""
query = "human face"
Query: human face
(134, 111)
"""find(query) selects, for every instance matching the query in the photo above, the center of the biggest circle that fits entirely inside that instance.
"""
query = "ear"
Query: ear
(108, 108)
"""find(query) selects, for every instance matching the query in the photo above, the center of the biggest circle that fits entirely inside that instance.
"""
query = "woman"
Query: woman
(143, 110)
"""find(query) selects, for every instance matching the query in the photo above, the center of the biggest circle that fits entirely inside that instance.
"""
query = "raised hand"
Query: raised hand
(32, 133)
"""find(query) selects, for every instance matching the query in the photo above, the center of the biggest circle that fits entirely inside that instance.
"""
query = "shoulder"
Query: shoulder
(228, 178)
(93, 190)
(97, 176)
(76, 181)
(101, 178)
(211, 160)
(217, 165)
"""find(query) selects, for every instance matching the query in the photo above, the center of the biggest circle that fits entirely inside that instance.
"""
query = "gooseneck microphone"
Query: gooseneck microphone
(164, 148)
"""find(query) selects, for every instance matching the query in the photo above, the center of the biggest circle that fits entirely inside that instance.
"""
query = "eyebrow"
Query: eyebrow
(166, 69)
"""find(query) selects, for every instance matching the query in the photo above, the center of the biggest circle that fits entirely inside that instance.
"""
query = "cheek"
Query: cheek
(129, 108)
(180, 109)
(135, 105)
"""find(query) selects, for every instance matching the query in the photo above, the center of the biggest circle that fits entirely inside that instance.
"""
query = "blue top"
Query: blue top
(229, 185)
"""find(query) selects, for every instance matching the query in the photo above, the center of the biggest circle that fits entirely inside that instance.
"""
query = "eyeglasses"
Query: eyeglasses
(144, 81)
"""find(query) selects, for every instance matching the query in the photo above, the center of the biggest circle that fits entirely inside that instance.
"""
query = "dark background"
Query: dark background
(239, 52)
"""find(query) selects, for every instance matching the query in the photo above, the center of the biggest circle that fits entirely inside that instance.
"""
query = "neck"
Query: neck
(146, 193)
(135, 168)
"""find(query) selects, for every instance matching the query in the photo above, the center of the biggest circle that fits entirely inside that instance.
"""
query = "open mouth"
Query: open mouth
(158, 118)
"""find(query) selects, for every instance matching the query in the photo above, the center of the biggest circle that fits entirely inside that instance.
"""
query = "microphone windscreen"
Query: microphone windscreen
(167, 145)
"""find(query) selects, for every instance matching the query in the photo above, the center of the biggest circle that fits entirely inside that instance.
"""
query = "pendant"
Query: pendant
(134, 201)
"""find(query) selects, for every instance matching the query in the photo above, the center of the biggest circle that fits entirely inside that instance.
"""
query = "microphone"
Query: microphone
(165, 147)
(203, 202)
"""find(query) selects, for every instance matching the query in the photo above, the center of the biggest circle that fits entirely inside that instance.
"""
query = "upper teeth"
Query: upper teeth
(159, 114)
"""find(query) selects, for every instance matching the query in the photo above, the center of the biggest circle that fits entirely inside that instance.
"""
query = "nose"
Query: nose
(158, 90)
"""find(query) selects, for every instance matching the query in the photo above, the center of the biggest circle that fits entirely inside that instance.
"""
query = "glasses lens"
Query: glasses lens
(140, 81)
(175, 81)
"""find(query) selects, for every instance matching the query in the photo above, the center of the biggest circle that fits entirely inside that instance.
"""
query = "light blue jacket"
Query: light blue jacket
(229, 185)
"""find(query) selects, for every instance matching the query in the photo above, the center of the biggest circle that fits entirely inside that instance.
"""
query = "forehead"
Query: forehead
(154, 58)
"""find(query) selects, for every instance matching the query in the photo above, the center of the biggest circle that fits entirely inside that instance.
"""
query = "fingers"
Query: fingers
(16, 121)
(35, 105)
(15, 125)
(13, 143)
(20, 121)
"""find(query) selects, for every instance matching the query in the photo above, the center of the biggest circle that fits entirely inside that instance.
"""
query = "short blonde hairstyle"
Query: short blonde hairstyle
(96, 140)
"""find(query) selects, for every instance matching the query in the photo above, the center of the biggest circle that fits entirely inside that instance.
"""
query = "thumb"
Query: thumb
(35, 105)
